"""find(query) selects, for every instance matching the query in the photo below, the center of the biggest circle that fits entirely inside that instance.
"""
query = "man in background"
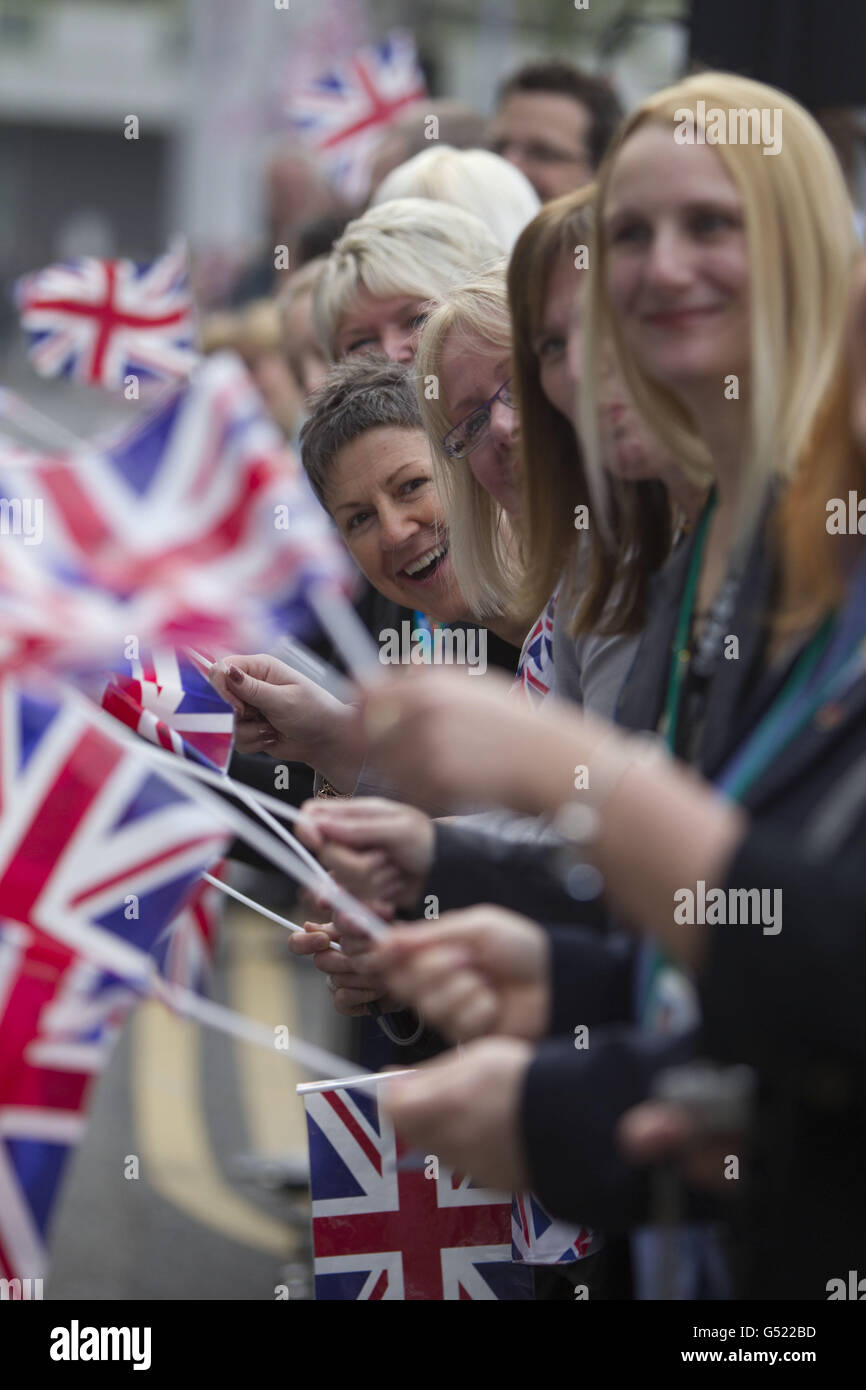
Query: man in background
(555, 123)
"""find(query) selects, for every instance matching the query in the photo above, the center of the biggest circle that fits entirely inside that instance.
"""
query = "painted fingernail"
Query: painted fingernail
(234, 674)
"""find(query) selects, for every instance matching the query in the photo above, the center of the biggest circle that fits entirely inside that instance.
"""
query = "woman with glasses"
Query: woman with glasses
(463, 374)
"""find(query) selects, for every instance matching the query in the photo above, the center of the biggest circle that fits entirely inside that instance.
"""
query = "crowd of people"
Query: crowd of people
(589, 395)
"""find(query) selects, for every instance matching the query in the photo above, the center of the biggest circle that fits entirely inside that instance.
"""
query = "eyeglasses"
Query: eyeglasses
(468, 433)
(534, 153)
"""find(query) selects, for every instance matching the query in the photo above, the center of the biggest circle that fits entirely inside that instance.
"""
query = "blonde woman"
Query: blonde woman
(722, 277)
(376, 286)
(478, 181)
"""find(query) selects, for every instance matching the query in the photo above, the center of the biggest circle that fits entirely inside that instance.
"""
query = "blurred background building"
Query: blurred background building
(206, 80)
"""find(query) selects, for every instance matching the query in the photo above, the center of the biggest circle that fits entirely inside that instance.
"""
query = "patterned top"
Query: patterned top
(536, 675)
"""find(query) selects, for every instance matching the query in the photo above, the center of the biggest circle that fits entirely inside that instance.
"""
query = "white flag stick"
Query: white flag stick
(257, 907)
(345, 629)
(296, 655)
(246, 795)
(39, 426)
(368, 1081)
(177, 771)
(191, 1005)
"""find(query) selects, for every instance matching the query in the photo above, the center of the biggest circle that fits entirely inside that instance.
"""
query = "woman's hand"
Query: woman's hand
(443, 741)
(280, 712)
(352, 989)
(465, 1108)
(381, 851)
(478, 971)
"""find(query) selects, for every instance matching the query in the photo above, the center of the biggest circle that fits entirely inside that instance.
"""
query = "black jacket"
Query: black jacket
(813, 797)
(792, 1006)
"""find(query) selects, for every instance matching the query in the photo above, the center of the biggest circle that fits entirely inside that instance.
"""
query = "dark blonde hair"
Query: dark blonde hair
(552, 473)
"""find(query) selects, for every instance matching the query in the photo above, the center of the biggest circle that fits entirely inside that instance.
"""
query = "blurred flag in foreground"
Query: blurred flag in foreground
(59, 1017)
(186, 948)
(390, 1224)
(97, 857)
(96, 850)
(343, 111)
(101, 322)
(194, 527)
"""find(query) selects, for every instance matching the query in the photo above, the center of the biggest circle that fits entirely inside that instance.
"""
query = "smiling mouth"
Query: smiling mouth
(673, 316)
(425, 566)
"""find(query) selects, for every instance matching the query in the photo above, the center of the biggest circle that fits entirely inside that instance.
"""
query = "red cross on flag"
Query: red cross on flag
(391, 1224)
(342, 112)
(100, 322)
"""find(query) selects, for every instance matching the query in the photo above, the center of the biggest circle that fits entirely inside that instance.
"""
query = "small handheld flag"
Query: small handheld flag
(100, 322)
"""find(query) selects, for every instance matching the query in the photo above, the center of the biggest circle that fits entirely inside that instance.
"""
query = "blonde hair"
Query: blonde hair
(411, 246)
(482, 543)
(478, 181)
(801, 243)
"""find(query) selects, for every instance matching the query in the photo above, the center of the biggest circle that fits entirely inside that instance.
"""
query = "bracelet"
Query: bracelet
(578, 822)
(393, 1037)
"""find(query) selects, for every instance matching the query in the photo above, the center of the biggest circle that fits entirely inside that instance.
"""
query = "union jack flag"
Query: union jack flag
(197, 520)
(59, 1017)
(185, 950)
(343, 112)
(95, 849)
(537, 1239)
(167, 699)
(385, 1229)
(101, 321)
(97, 856)
(535, 675)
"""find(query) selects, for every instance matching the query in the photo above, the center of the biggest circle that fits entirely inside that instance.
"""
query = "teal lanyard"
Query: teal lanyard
(423, 624)
(681, 653)
(789, 714)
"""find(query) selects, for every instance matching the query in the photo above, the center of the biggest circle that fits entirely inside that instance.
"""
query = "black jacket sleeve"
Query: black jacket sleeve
(572, 1101)
(591, 978)
(471, 865)
(777, 1000)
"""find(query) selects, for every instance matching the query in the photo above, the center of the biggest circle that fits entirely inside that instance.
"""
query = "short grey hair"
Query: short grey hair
(366, 393)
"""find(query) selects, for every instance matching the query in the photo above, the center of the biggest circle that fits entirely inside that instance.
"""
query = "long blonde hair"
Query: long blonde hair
(801, 242)
(483, 546)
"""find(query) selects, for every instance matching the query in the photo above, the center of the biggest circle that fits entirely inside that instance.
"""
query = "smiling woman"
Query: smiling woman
(369, 462)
